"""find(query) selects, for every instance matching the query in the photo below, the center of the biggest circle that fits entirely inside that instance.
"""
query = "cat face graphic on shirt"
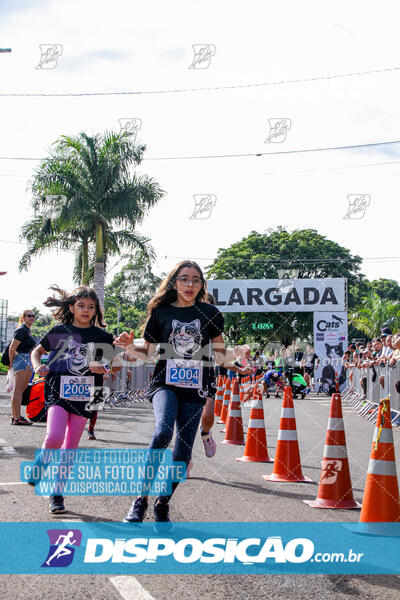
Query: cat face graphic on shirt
(334, 351)
(78, 357)
(186, 337)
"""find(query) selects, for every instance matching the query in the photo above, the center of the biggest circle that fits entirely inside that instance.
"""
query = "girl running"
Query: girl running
(184, 324)
(78, 348)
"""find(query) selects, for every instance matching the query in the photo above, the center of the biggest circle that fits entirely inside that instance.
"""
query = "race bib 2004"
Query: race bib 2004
(184, 373)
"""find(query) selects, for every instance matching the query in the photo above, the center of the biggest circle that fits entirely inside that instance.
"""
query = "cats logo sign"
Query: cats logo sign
(330, 342)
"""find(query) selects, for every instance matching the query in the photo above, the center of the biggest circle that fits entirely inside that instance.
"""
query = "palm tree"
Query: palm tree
(374, 313)
(86, 189)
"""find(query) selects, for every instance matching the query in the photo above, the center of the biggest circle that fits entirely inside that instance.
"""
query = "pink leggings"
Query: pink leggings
(64, 430)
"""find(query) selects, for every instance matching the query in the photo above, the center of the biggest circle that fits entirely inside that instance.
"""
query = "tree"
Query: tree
(262, 256)
(82, 192)
(374, 313)
(131, 290)
(386, 288)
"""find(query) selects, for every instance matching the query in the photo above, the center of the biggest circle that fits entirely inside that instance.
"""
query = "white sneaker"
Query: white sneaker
(210, 447)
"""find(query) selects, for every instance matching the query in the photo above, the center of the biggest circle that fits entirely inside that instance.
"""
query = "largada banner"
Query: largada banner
(330, 343)
(278, 295)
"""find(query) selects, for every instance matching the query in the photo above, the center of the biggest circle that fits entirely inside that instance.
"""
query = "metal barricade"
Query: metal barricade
(130, 384)
(380, 383)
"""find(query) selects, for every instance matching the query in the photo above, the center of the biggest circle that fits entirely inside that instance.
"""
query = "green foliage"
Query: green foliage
(374, 313)
(82, 192)
(388, 289)
(261, 256)
(131, 289)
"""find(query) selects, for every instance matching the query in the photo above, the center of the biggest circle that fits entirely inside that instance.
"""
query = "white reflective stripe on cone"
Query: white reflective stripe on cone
(287, 435)
(386, 436)
(335, 451)
(382, 467)
(256, 424)
(235, 413)
(257, 404)
(287, 413)
(335, 424)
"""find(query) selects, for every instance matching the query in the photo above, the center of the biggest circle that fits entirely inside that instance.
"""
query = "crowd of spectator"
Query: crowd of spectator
(381, 351)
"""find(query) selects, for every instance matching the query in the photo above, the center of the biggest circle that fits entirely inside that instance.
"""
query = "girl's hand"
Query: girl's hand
(98, 368)
(245, 370)
(42, 370)
(124, 340)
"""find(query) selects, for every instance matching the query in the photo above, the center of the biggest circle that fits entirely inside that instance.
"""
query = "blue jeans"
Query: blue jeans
(168, 410)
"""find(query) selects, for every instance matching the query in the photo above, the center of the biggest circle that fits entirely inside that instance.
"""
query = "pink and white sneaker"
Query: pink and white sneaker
(210, 447)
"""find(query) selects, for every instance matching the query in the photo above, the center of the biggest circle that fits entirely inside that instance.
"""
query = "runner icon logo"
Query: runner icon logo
(358, 204)
(62, 547)
(130, 126)
(203, 54)
(50, 53)
(278, 129)
(329, 471)
(285, 282)
(204, 203)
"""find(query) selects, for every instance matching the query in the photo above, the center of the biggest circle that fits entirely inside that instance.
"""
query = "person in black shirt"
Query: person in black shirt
(20, 361)
(298, 358)
(186, 327)
(310, 363)
(81, 352)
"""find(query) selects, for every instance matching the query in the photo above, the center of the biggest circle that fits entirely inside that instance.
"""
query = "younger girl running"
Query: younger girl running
(181, 320)
(78, 348)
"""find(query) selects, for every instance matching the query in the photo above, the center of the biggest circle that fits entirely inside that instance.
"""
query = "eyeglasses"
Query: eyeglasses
(196, 281)
(31, 316)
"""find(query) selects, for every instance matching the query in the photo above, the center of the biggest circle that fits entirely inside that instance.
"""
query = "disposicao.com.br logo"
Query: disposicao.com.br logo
(200, 548)
(192, 550)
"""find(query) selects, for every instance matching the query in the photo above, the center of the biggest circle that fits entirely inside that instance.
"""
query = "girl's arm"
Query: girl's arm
(36, 357)
(145, 352)
(220, 351)
(13, 347)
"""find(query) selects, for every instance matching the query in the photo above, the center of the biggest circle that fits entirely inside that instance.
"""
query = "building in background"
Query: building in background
(3, 324)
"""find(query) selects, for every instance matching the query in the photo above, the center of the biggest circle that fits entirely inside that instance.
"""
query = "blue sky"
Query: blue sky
(122, 46)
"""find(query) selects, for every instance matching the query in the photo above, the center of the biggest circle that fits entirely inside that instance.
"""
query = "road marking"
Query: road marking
(6, 449)
(14, 483)
(72, 520)
(129, 588)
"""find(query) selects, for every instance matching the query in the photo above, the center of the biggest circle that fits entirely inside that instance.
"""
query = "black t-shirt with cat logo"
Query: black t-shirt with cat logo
(184, 335)
(71, 350)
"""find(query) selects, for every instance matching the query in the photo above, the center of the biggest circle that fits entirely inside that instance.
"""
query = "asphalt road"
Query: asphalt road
(220, 489)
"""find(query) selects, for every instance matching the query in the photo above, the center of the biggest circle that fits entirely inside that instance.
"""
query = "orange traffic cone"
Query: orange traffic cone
(287, 465)
(225, 403)
(381, 494)
(256, 449)
(246, 391)
(219, 397)
(234, 423)
(334, 490)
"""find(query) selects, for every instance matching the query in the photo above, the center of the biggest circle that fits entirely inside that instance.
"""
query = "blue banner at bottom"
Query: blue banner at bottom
(199, 548)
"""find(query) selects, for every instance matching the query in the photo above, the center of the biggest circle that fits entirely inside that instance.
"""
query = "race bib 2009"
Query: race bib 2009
(184, 373)
(76, 389)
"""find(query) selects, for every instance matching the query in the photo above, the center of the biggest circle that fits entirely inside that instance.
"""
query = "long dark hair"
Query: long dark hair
(64, 300)
(166, 293)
